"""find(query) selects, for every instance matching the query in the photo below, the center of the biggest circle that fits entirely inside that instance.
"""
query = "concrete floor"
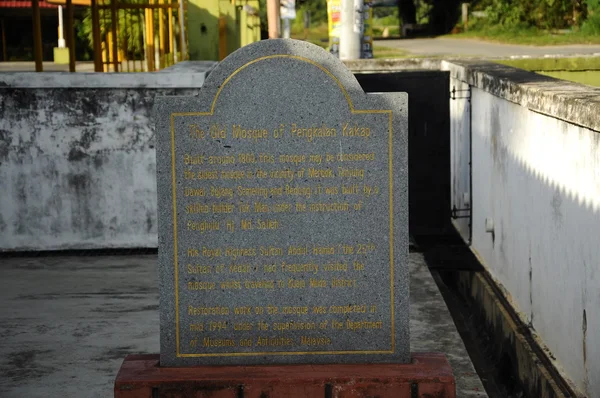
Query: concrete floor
(66, 323)
(477, 48)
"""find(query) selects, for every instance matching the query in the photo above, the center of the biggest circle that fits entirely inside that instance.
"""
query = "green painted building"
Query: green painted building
(216, 28)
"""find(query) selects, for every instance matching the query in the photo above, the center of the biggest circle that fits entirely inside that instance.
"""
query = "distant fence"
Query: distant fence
(126, 35)
(138, 35)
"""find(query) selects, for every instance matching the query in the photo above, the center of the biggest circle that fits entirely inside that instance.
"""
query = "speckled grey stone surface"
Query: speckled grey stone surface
(287, 242)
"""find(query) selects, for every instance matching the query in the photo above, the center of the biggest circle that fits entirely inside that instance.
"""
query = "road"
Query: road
(419, 47)
(477, 48)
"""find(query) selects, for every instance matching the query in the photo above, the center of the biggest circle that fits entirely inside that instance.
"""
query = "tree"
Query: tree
(541, 14)
(444, 15)
(592, 22)
(408, 12)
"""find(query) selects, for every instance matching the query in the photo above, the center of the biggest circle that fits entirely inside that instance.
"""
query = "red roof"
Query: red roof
(24, 4)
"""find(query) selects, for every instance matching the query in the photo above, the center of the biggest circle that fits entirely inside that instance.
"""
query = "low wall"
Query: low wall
(77, 159)
(534, 191)
(77, 170)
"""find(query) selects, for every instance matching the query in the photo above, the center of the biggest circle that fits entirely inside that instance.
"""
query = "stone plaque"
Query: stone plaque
(283, 214)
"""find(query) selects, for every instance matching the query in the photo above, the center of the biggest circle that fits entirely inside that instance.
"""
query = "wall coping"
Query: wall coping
(572, 102)
(393, 65)
(188, 74)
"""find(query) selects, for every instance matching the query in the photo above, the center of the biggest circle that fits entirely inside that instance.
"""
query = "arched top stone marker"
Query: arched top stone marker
(283, 214)
(285, 53)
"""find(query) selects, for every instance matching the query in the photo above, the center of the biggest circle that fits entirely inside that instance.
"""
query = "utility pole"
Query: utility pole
(273, 18)
(351, 29)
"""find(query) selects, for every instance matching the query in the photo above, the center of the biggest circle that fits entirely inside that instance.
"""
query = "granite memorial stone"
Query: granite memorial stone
(283, 215)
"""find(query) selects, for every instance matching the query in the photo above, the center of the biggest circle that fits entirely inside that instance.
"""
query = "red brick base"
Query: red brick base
(429, 375)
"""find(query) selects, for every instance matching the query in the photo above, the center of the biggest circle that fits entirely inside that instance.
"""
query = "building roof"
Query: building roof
(24, 4)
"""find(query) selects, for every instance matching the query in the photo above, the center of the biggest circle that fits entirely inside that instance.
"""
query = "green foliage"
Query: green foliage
(591, 25)
(317, 35)
(317, 8)
(529, 36)
(538, 22)
(541, 14)
(391, 19)
(423, 11)
(390, 16)
(262, 14)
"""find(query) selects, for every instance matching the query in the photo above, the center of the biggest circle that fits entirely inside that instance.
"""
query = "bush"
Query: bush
(389, 20)
(541, 14)
(591, 25)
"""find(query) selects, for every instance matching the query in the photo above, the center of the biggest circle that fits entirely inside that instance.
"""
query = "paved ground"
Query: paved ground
(476, 48)
(66, 323)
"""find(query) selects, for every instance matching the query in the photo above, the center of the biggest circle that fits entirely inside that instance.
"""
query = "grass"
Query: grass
(555, 64)
(390, 53)
(318, 35)
(584, 70)
(534, 37)
(591, 78)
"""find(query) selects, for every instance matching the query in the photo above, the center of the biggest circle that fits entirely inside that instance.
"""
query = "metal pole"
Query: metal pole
(171, 38)
(70, 36)
(182, 30)
(129, 56)
(4, 56)
(146, 40)
(145, 65)
(286, 28)
(162, 42)
(61, 36)
(107, 40)
(273, 18)
(351, 29)
(222, 38)
(37, 36)
(96, 37)
(150, 38)
(114, 20)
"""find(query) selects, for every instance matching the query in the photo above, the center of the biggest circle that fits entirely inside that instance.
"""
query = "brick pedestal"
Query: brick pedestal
(429, 375)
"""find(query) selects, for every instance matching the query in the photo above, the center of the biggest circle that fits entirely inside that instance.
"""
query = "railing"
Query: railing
(137, 35)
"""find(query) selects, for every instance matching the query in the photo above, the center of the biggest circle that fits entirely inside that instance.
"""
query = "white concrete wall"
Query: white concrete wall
(538, 177)
(460, 108)
(77, 158)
